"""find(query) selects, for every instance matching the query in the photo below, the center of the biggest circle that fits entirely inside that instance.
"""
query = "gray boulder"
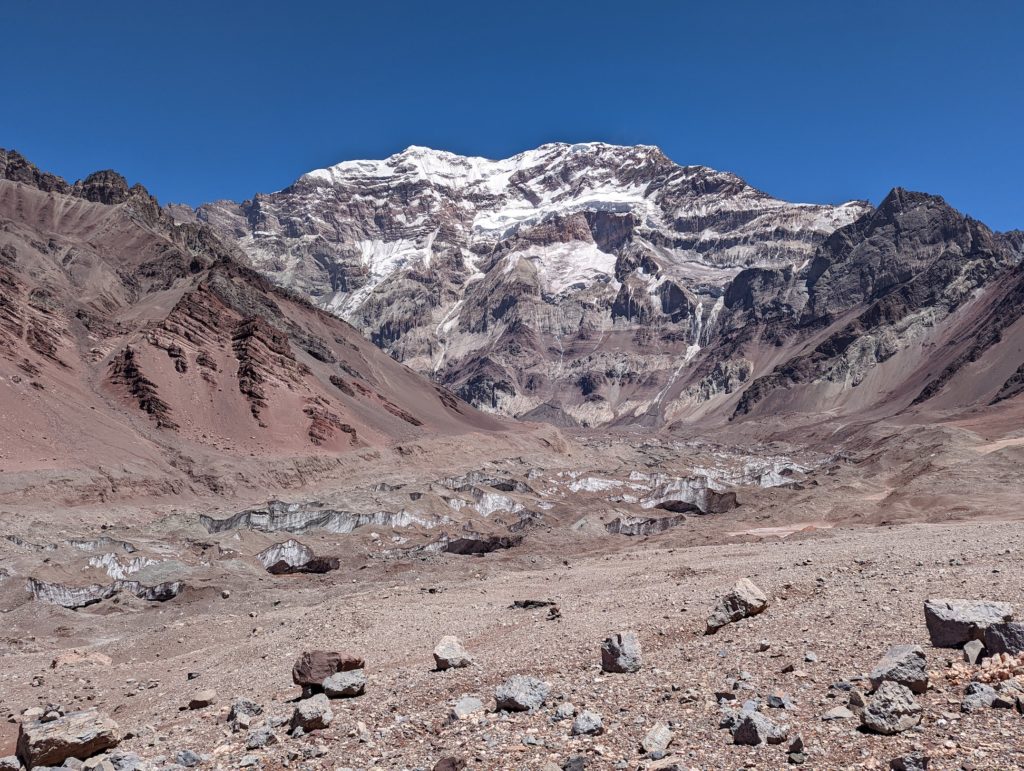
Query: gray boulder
(951, 623)
(587, 724)
(10, 763)
(1005, 638)
(241, 713)
(521, 693)
(753, 728)
(75, 735)
(745, 599)
(903, 664)
(891, 710)
(345, 685)
(312, 713)
(564, 711)
(977, 696)
(466, 707)
(262, 737)
(621, 653)
(450, 654)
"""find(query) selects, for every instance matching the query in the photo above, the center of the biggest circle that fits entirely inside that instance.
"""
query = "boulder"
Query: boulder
(203, 699)
(621, 653)
(449, 654)
(903, 664)
(10, 763)
(75, 735)
(658, 739)
(521, 693)
(313, 667)
(745, 599)
(977, 696)
(1005, 638)
(343, 685)
(587, 724)
(891, 710)
(753, 728)
(312, 713)
(951, 623)
(260, 738)
(466, 707)
(241, 713)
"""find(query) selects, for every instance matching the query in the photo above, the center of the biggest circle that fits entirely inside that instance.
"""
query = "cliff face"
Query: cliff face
(568, 281)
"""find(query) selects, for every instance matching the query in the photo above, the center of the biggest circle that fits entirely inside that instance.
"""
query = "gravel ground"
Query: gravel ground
(843, 595)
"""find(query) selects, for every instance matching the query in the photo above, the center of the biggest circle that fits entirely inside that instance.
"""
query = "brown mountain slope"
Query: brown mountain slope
(136, 353)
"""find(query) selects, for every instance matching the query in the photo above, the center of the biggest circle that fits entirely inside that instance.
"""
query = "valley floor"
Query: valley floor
(839, 598)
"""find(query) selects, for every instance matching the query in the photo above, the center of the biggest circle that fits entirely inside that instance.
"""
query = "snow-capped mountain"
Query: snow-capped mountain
(524, 283)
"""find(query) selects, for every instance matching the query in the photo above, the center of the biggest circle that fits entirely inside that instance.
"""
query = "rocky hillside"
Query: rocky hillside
(137, 351)
(593, 284)
(570, 282)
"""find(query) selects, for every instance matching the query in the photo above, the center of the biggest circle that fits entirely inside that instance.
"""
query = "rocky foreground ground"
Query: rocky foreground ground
(169, 674)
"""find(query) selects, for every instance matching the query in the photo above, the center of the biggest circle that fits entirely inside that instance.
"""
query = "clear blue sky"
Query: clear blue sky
(816, 101)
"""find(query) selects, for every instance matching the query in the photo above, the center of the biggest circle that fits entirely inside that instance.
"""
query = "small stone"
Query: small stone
(450, 654)
(797, 745)
(203, 699)
(225, 593)
(810, 657)
(915, 762)
(565, 711)
(466, 707)
(587, 724)
(188, 758)
(450, 764)
(856, 702)
(796, 758)
(658, 739)
(575, 763)
(344, 685)
(312, 713)
(262, 737)
(838, 713)
(891, 710)
(903, 664)
(621, 653)
(745, 599)
(973, 651)
(10, 763)
(521, 693)
(779, 701)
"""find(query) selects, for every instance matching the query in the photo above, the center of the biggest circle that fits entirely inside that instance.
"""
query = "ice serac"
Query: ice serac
(571, 283)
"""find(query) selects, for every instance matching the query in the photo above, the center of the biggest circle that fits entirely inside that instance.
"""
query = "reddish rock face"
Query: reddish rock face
(313, 667)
